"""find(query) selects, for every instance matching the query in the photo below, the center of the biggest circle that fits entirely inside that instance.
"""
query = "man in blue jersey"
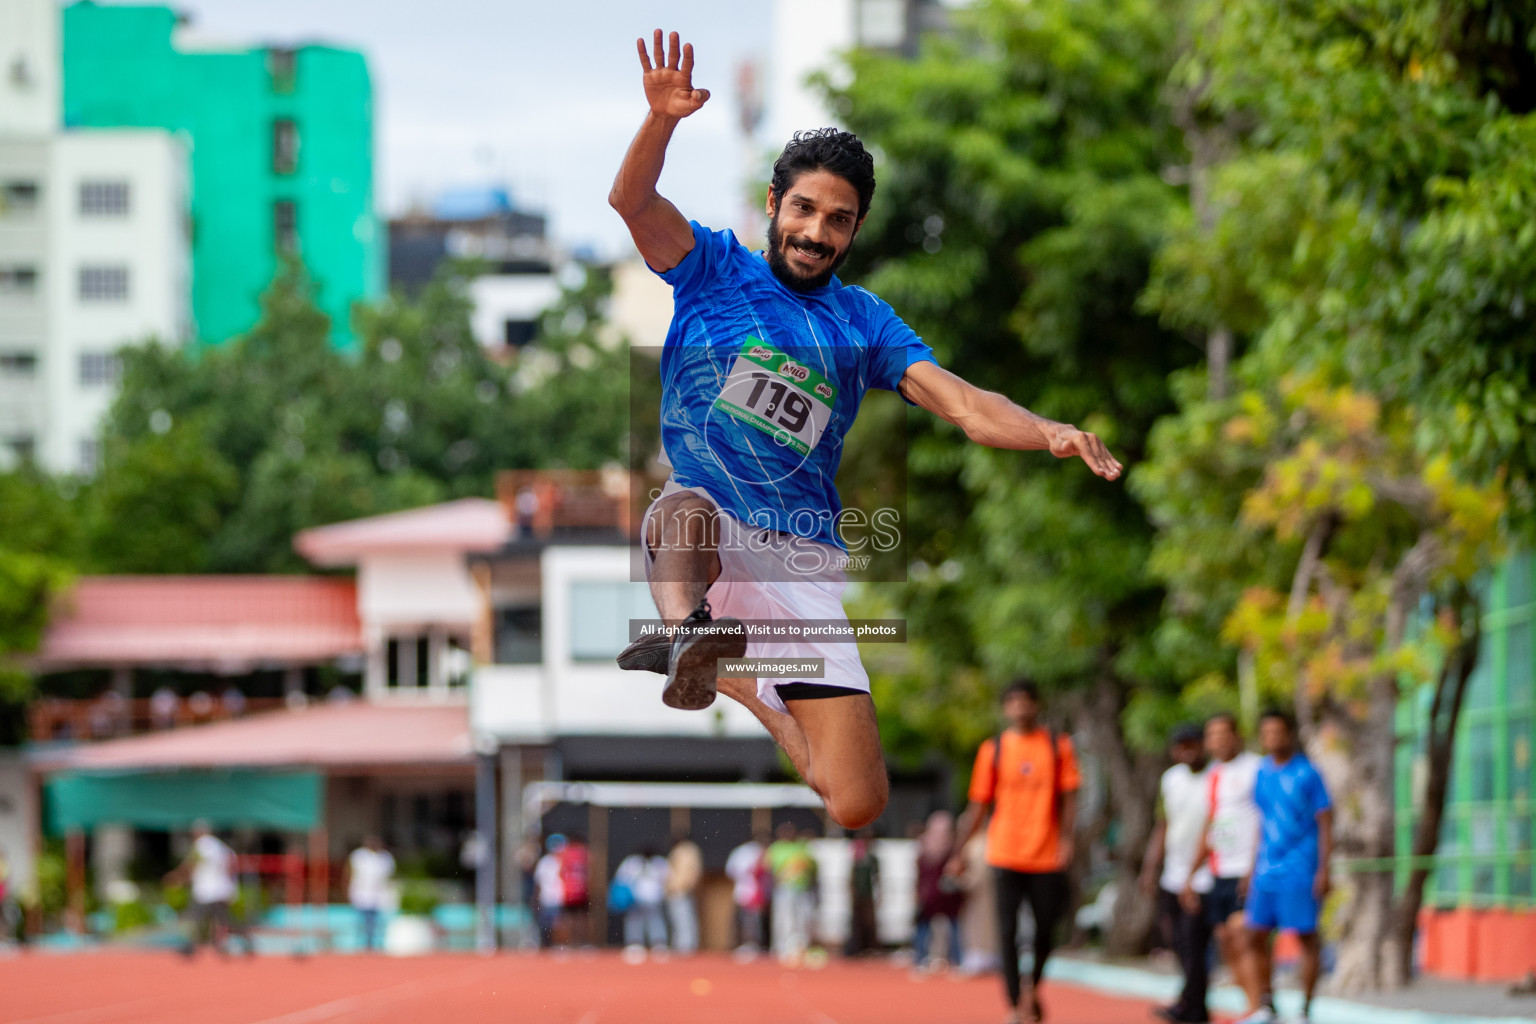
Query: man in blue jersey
(764, 366)
(1290, 877)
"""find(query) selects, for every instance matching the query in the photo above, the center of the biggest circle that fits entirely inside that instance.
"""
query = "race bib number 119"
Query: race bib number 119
(783, 398)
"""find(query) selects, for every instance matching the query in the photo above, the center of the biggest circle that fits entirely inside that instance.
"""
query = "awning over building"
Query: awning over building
(218, 623)
(358, 735)
(284, 801)
(469, 524)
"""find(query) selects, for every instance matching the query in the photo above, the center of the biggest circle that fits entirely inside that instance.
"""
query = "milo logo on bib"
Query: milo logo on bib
(772, 392)
(794, 371)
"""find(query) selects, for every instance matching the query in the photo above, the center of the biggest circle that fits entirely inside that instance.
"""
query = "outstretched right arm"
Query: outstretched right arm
(661, 233)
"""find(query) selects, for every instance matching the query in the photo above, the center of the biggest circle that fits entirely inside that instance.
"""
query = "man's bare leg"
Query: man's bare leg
(1260, 965)
(833, 742)
(1232, 940)
(683, 534)
(1311, 967)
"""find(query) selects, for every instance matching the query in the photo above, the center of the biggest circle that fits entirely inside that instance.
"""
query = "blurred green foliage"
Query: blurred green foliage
(238, 449)
(1375, 208)
(37, 538)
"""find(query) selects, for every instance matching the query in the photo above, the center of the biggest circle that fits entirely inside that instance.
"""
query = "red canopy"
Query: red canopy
(358, 734)
(224, 623)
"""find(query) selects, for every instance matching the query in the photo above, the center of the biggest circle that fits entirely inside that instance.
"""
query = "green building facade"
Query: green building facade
(1489, 830)
(282, 155)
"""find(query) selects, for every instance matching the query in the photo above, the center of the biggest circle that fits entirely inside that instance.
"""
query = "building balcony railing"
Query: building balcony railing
(52, 718)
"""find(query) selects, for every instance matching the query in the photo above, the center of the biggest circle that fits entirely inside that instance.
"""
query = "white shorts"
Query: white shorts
(765, 575)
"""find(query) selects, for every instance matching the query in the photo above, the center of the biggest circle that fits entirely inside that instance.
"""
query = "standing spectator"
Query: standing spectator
(232, 701)
(1183, 804)
(551, 892)
(210, 866)
(1230, 841)
(575, 862)
(1290, 878)
(794, 869)
(752, 881)
(367, 874)
(685, 868)
(939, 895)
(864, 893)
(1028, 778)
(163, 707)
(645, 875)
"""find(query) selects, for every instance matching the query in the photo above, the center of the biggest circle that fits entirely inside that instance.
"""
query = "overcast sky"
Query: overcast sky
(542, 96)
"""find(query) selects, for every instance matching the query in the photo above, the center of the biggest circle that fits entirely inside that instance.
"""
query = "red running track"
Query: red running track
(579, 988)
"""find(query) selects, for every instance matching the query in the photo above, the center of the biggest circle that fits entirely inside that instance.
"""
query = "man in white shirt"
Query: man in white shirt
(645, 923)
(1229, 841)
(1183, 806)
(367, 875)
(210, 868)
(551, 893)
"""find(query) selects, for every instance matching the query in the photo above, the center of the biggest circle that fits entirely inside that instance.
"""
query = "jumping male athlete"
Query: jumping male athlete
(763, 369)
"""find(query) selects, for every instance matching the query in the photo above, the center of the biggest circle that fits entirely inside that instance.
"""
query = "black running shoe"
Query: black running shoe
(648, 654)
(700, 642)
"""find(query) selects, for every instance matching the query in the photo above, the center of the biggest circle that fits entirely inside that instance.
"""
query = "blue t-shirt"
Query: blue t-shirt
(761, 383)
(1289, 797)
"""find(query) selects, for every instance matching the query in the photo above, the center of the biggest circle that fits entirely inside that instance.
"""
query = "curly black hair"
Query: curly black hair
(827, 149)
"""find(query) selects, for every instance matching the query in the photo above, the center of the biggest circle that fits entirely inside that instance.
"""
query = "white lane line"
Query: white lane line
(350, 1004)
(86, 1015)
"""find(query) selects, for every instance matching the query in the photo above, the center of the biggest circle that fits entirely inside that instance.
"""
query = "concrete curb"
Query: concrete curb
(1114, 979)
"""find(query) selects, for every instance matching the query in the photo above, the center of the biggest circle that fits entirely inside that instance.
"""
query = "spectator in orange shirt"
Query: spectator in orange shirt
(1027, 777)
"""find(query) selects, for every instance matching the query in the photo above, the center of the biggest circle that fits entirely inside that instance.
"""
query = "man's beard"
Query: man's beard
(787, 275)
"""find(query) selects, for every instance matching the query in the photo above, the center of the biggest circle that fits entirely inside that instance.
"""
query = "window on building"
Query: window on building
(285, 146)
(98, 369)
(18, 364)
(18, 280)
(517, 333)
(408, 662)
(18, 196)
(103, 199)
(104, 284)
(600, 614)
(519, 635)
(89, 456)
(285, 225)
(283, 66)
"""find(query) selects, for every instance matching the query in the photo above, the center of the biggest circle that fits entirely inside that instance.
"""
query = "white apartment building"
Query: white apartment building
(94, 251)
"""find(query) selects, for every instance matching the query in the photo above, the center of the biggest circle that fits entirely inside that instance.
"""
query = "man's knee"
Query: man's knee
(857, 806)
(683, 519)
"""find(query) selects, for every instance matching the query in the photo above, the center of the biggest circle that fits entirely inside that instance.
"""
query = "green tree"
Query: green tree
(158, 502)
(1020, 202)
(223, 456)
(1303, 526)
(38, 535)
(1368, 219)
(1379, 205)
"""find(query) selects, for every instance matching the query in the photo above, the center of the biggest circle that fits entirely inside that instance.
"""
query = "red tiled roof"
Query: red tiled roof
(469, 524)
(221, 622)
(356, 734)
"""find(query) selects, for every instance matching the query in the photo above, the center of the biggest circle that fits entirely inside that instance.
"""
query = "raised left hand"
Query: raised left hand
(1068, 442)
